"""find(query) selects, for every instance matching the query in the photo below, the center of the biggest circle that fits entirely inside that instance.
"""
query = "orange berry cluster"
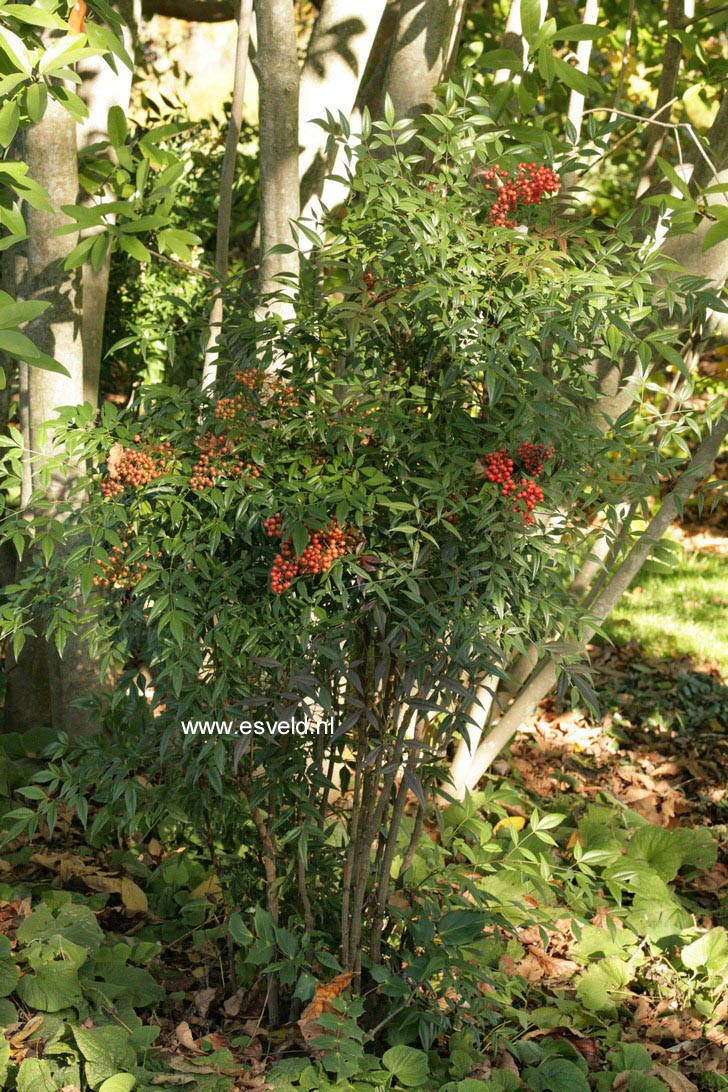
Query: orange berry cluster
(118, 572)
(499, 468)
(135, 467)
(217, 460)
(527, 188)
(322, 550)
(276, 393)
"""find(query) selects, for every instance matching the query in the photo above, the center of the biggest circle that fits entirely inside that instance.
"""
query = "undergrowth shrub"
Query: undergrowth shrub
(384, 501)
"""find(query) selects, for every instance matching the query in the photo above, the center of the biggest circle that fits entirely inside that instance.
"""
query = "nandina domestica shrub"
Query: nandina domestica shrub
(382, 503)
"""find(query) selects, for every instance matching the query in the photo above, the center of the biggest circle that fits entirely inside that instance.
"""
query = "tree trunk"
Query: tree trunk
(419, 53)
(227, 182)
(41, 676)
(337, 56)
(278, 80)
(101, 89)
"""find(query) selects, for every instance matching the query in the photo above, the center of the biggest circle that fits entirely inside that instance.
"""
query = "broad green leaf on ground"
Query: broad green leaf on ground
(709, 952)
(50, 989)
(8, 970)
(602, 986)
(107, 1052)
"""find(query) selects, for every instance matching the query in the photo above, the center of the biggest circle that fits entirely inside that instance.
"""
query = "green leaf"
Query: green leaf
(34, 15)
(71, 103)
(52, 988)
(15, 175)
(9, 121)
(103, 39)
(530, 19)
(573, 78)
(63, 52)
(557, 1075)
(603, 984)
(459, 927)
(716, 233)
(8, 972)
(18, 345)
(503, 58)
(630, 1056)
(36, 100)
(15, 314)
(581, 32)
(14, 49)
(409, 1066)
(35, 1075)
(107, 1052)
(120, 1082)
(674, 178)
(117, 126)
(710, 952)
(135, 248)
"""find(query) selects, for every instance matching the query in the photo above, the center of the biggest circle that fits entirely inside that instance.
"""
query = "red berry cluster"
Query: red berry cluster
(135, 467)
(531, 495)
(217, 460)
(322, 550)
(527, 188)
(534, 457)
(498, 467)
(118, 572)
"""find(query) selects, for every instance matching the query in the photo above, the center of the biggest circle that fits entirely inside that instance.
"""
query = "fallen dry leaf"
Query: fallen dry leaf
(674, 1080)
(234, 1004)
(185, 1038)
(321, 1003)
(204, 999)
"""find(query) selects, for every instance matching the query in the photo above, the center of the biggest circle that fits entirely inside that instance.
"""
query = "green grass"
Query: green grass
(684, 610)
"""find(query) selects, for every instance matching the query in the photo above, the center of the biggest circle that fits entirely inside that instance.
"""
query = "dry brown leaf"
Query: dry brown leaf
(234, 1004)
(26, 1031)
(204, 1000)
(184, 1036)
(133, 897)
(674, 1080)
(321, 1003)
(77, 18)
(173, 1078)
(504, 1061)
(538, 964)
(113, 459)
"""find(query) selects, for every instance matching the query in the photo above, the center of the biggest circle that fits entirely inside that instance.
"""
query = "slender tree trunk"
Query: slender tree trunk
(677, 11)
(278, 80)
(337, 56)
(101, 89)
(227, 182)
